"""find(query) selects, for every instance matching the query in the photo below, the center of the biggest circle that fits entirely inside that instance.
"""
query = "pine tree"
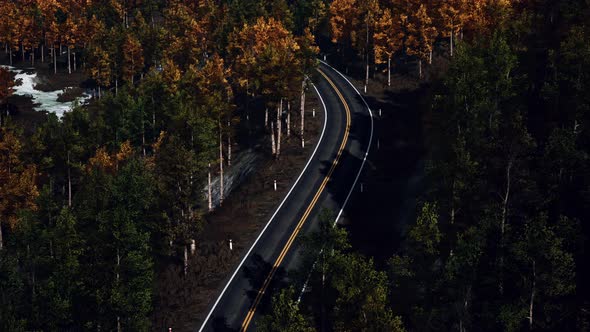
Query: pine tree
(285, 315)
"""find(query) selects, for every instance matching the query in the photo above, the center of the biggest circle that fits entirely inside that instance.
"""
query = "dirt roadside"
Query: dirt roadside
(181, 302)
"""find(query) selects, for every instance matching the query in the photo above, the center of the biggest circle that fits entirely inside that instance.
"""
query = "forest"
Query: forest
(94, 203)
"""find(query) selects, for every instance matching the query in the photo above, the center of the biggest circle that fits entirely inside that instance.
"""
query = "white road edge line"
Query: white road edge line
(357, 175)
(274, 214)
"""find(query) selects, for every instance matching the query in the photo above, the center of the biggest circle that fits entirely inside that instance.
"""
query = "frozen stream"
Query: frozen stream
(43, 101)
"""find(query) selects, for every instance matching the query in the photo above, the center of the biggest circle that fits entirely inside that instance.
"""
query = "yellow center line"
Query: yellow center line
(285, 250)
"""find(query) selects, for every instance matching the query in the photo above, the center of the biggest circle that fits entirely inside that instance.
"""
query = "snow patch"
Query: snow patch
(43, 101)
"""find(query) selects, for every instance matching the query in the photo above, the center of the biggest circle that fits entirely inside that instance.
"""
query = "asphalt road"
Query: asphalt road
(325, 183)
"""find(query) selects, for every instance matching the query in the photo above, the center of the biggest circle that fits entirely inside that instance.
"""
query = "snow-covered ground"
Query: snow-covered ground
(44, 101)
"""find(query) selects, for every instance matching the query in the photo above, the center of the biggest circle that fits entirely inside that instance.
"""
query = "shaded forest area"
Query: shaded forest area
(498, 238)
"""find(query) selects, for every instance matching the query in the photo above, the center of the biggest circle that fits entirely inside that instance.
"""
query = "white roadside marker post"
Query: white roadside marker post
(231, 245)
(193, 247)
(275, 185)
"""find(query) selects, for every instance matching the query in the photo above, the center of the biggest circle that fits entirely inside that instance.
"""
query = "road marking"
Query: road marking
(357, 175)
(287, 246)
(271, 218)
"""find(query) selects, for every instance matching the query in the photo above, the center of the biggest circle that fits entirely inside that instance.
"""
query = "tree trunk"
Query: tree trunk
(153, 114)
(1, 238)
(209, 199)
(42, 53)
(22, 49)
(272, 138)
(430, 57)
(69, 183)
(69, 60)
(266, 118)
(143, 135)
(185, 260)
(228, 145)
(10, 55)
(55, 61)
(389, 71)
(288, 119)
(117, 278)
(503, 223)
(118, 264)
(420, 68)
(367, 54)
(220, 165)
(75, 66)
(279, 127)
(452, 33)
(116, 86)
(33, 57)
(531, 304)
(367, 76)
(303, 113)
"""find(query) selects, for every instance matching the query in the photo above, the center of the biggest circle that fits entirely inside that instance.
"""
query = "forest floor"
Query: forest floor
(182, 301)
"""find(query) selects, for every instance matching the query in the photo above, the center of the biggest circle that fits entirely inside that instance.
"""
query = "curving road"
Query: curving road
(327, 181)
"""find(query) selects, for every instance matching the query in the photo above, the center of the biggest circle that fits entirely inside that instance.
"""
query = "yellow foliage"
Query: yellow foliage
(101, 160)
(18, 188)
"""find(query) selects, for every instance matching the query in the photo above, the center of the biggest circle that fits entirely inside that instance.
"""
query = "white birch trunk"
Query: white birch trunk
(185, 260)
(420, 68)
(389, 71)
(367, 75)
(367, 54)
(220, 165)
(272, 138)
(279, 127)
(54, 60)
(288, 119)
(209, 199)
(302, 113)
(118, 264)
(266, 118)
(69, 60)
(532, 301)
(452, 33)
(228, 145)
